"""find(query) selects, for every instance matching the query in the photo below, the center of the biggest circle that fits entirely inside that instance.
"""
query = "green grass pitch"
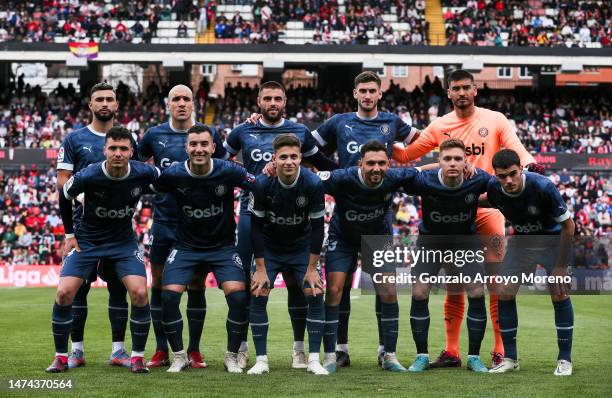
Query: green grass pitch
(27, 348)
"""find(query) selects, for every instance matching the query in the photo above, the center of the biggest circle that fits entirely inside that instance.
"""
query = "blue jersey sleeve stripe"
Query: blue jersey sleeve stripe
(65, 166)
(229, 148)
(563, 217)
(318, 137)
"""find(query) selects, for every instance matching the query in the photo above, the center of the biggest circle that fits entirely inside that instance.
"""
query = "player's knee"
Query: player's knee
(559, 297)
(64, 296)
(334, 293)
(420, 292)
(138, 296)
(475, 291)
(506, 297)
(388, 298)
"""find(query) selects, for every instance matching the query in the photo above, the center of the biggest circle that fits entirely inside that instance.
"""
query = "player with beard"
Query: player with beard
(345, 134)
(79, 149)
(165, 143)
(255, 141)
(484, 132)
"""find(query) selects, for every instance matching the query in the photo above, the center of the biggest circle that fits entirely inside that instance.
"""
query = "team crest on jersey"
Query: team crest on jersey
(220, 190)
(324, 175)
(60, 155)
(532, 210)
(384, 128)
(237, 259)
(301, 201)
(483, 132)
(136, 192)
(470, 198)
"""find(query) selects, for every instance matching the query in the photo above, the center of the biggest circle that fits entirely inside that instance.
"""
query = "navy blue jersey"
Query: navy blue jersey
(287, 209)
(79, 149)
(537, 210)
(255, 142)
(110, 202)
(448, 210)
(361, 210)
(346, 132)
(206, 202)
(167, 146)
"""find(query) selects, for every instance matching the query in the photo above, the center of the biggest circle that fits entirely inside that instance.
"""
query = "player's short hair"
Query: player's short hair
(506, 158)
(367, 77)
(118, 133)
(101, 86)
(459, 74)
(289, 139)
(271, 85)
(372, 146)
(199, 128)
(452, 143)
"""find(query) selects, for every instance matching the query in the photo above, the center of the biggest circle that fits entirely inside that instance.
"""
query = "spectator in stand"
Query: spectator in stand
(182, 30)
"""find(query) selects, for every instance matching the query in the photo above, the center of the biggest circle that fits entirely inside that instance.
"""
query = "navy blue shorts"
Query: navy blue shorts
(277, 262)
(163, 237)
(183, 264)
(340, 256)
(127, 257)
(524, 253)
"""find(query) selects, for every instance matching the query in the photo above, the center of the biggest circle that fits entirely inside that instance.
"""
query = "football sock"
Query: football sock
(453, 316)
(237, 319)
(390, 324)
(156, 317)
(508, 325)
(476, 323)
(297, 307)
(140, 322)
(196, 313)
(564, 321)
(344, 312)
(61, 324)
(419, 323)
(331, 328)
(117, 308)
(79, 312)
(498, 344)
(172, 320)
(315, 322)
(258, 318)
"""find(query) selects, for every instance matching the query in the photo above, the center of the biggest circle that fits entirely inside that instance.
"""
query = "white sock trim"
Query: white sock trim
(342, 347)
(138, 354)
(298, 345)
(77, 345)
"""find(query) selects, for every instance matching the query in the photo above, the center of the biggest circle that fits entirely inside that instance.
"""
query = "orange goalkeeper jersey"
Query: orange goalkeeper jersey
(484, 134)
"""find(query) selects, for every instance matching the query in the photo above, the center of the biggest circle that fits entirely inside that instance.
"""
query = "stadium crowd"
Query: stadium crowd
(44, 20)
(528, 23)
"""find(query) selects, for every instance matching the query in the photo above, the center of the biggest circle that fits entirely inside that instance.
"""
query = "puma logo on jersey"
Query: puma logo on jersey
(447, 134)
(162, 143)
(182, 190)
(88, 148)
(349, 127)
(255, 136)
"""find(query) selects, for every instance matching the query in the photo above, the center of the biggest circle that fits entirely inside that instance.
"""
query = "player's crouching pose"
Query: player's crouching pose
(204, 191)
(543, 232)
(287, 234)
(112, 189)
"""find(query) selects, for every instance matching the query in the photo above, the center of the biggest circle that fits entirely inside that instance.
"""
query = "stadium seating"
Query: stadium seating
(528, 23)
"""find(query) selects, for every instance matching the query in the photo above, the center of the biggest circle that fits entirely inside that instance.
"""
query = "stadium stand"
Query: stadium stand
(107, 22)
(528, 23)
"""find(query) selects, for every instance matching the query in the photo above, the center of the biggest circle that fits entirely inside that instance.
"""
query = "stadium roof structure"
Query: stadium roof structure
(305, 55)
